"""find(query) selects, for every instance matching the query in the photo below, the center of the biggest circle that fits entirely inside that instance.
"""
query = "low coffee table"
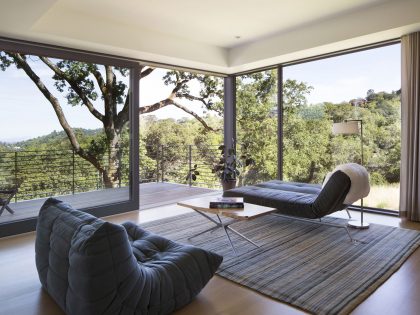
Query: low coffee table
(250, 211)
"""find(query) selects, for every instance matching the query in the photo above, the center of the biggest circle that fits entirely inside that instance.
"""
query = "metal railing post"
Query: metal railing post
(119, 166)
(16, 171)
(157, 164)
(189, 164)
(161, 163)
(98, 180)
(73, 171)
(119, 176)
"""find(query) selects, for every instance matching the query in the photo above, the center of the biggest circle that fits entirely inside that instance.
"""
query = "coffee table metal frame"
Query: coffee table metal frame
(225, 226)
(251, 211)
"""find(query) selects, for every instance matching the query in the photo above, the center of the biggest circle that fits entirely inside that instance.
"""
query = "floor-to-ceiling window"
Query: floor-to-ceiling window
(256, 126)
(65, 130)
(181, 126)
(361, 85)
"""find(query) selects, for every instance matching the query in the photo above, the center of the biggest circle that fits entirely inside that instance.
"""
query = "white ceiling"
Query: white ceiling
(201, 34)
(216, 22)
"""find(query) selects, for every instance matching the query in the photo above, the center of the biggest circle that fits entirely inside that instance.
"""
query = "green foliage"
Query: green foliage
(147, 163)
(294, 94)
(210, 88)
(193, 173)
(79, 72)
(227, 166)
(58, 139)
(309, 148)
(48, 166)
(82, 83)
(257, 126)
(306, 143)
(167, 142)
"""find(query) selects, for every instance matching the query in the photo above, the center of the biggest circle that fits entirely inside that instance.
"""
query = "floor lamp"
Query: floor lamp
(351, 127)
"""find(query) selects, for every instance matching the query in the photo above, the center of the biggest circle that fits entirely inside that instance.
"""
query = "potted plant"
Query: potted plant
(227, 167)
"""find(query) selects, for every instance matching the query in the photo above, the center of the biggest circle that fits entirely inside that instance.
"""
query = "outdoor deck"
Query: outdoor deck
(151, 195)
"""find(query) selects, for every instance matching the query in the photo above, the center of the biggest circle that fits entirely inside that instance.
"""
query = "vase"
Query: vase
(228, 184)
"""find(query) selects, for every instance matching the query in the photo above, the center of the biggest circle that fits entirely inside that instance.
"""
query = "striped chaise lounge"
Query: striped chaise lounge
(299, 200)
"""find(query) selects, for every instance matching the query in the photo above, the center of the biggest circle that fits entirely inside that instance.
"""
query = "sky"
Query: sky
(26, 113)
(349, 76)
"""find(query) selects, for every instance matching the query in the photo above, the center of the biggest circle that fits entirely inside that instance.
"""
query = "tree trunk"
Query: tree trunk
(112, 172)
(311, 174)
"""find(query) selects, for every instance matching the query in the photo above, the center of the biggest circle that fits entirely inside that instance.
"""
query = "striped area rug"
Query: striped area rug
(313, 267)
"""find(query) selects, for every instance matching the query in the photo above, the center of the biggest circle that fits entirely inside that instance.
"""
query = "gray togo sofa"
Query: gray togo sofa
(302, 200)
(89, 266)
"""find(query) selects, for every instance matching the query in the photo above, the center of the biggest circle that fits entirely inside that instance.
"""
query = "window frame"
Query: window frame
(337, 54)
(280, 114)
(56, 51)
(27, 225)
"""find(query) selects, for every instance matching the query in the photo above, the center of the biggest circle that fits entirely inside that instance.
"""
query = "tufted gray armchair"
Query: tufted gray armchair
(89, 266)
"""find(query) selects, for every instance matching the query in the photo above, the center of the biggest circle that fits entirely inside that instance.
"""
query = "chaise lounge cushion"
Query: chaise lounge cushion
(291, 186)
(298, 199)
(90, 266)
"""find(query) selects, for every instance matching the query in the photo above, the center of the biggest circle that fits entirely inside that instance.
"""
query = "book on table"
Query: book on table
(227, 203)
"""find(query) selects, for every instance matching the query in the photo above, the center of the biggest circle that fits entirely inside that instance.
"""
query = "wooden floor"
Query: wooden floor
(21, 293)
(151, 194)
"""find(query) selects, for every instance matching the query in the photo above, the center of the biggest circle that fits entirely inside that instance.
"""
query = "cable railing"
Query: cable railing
(173, 164)
(46, 173)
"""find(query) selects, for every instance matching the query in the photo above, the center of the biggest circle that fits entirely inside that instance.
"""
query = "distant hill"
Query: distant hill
(53, 140)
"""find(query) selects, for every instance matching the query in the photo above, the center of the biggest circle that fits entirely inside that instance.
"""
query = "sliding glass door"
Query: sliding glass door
(65, 130)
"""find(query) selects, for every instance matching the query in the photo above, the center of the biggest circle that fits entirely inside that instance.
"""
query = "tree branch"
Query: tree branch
(101, 82)
(124, 115)
(177, 87)
(73, 84)
(155, 106)
(21, 62)
(146, 72)
(193, 98)
(169, 101)
(201, 120)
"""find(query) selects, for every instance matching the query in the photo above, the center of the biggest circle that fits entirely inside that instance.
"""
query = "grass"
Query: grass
(383, 196)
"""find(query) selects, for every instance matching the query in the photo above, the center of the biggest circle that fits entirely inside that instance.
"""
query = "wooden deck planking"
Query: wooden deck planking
(151, 194)
(165, 193)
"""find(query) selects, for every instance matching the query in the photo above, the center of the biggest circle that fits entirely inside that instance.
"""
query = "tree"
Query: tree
(257, 126)
(167, 142)
(84, 83)
(294, 94)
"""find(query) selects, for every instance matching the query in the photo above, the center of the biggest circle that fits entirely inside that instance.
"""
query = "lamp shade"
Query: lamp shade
(346, 128)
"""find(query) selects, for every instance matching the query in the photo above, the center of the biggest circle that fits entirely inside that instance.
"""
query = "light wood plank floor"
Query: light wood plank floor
(21, 293)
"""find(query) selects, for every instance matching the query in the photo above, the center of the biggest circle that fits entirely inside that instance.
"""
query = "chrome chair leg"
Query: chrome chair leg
(354, 241)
